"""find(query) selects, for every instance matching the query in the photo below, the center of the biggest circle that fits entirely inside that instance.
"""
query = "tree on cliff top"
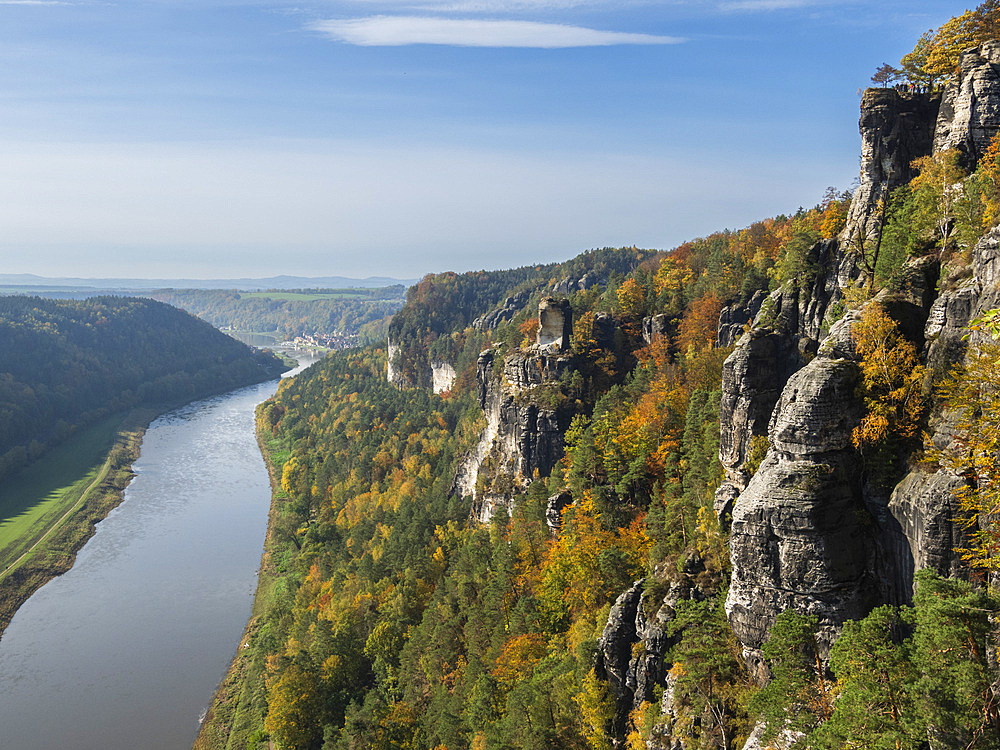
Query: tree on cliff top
(885, 74)
(937, 52)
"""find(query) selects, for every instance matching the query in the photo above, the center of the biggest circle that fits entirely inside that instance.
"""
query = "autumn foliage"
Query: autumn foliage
(891, 378)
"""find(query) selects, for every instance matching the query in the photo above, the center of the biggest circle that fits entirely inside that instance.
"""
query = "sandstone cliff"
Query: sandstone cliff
(525, 421)
(807, 531)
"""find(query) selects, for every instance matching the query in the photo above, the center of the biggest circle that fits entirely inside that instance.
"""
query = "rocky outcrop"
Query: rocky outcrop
(970, 111)
(525, 418)
(783, 740)
(555, 325)
(442, 376)
(569, 285)
(392, 369)
(801, 537)
(554, 508)
(625, 622)
(632, 654)
(896, 128)
(501, 314)
(920, 530)
(653, 327)
(735, 318)
(807, 532)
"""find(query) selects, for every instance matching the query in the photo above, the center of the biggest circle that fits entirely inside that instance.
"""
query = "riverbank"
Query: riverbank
(235, 718)
(54, 552)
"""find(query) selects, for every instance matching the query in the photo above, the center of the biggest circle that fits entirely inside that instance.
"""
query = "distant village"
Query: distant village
(323, 341)
(334, 340)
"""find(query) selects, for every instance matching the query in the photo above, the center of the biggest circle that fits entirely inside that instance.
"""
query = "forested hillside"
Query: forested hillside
(395, 622)
(362, 313)
(446, 314)
(741, 494)
(64, 364)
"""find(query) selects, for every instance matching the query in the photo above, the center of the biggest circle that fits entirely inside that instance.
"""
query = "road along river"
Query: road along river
(126, 649)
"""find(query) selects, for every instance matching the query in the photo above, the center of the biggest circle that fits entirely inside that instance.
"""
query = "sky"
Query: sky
(251, 138)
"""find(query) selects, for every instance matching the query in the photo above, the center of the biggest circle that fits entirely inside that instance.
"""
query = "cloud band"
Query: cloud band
(395, 31)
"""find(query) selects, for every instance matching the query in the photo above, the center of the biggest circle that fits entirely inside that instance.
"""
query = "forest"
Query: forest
(388, 618)
(69, 363)
(361, 313)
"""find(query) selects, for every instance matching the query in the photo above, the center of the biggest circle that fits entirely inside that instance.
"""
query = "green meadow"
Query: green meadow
(36, 498)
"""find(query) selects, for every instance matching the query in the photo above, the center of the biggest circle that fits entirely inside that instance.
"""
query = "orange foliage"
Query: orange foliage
(529, 329)
(699, 328)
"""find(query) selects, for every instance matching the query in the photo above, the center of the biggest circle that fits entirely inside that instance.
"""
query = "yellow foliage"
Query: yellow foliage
(596, 711)
(632, 298)
(972, 391)
(635, 739)
(518, 657)
(571, 575)
(891, 376)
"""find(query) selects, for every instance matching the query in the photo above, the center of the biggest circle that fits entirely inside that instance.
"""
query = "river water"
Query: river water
(126, 649)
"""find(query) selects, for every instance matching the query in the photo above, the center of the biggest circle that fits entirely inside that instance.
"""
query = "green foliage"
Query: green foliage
(795, 261)
(906, 675)
(876, 706)
(799, 696)
(352, 312)
(954, 633)
(68, 363)
(708, 673)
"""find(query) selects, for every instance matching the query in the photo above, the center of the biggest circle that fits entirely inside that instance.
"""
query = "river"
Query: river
(126, 649)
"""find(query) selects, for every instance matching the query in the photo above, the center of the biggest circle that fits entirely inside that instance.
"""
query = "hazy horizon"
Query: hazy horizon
(251, 138)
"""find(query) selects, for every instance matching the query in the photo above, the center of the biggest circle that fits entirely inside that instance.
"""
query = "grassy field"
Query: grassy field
(49, 510)
(33, 499)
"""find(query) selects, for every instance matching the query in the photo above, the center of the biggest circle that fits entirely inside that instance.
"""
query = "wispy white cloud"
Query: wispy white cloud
(496, 6)
(765, 5)
(33, 2)
(394, 31)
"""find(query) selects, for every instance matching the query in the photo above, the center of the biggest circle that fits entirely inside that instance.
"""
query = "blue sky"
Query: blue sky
(224, 138)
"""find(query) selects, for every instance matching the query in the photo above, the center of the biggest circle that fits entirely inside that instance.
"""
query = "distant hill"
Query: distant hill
(341, 316)
(30, 283)
(66, 363)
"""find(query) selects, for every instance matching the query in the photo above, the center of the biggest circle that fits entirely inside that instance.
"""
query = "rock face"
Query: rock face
(392, 372)
(523, 437)
(806, 531)
(510, 307)
(554, 508)
(569, 285)
(735, 318)
(442, 376)
(921, 532)
(632, 672)
(633, 654)
(801, 537)
(555, 325)
(896, 128)
(653, 327)
(970, 110)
